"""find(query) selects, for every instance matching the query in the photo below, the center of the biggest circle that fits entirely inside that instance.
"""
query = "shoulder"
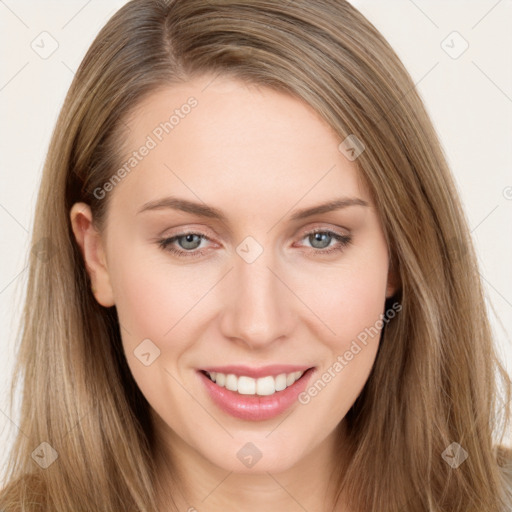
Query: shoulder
(504, 459)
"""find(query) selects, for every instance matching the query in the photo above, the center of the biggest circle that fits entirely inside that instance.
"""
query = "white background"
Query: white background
(469, 99)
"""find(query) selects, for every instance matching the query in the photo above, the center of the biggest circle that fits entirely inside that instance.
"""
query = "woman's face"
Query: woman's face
(210, 257)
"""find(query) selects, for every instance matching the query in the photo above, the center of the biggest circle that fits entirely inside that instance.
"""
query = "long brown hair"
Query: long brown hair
(437, 379)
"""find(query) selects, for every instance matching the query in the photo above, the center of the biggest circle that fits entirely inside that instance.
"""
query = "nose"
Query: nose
(258, 308)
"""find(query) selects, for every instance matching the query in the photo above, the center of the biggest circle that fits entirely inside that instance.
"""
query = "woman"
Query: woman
(191, 342)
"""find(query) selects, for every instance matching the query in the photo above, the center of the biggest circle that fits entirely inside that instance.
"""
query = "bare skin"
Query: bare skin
(258, 156)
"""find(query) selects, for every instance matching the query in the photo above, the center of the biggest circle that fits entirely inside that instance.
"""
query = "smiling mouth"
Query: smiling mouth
(255, 394)
(262, 386)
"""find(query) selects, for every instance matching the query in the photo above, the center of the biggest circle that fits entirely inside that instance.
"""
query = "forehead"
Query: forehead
(223, 139)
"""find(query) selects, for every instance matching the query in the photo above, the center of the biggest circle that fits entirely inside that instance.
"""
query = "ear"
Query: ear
(91, 245)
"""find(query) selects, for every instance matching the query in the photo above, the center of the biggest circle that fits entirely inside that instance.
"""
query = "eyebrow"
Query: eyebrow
(203, 210)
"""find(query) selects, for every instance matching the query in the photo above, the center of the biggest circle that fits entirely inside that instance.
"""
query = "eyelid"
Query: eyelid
(201, 229)
(323, 226)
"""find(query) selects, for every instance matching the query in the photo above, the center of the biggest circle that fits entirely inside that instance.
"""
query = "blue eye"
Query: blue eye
(188, 243)
(185, 245)
(320, 237)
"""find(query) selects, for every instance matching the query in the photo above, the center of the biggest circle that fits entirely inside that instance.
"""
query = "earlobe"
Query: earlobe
(390, 291)
(393, 283)
(91, 247)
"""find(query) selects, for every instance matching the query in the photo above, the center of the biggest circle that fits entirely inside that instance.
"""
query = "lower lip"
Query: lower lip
(256, 407)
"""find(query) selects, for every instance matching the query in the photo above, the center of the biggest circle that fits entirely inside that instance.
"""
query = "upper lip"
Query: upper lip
(261, 371)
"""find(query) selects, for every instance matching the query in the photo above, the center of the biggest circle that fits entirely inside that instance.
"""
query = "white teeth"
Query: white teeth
(249, 386)
(281, 382)
(231, 382)
(246, 385)
(265, 386)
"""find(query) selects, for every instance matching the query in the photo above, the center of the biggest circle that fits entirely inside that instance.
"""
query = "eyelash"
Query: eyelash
(165, 244)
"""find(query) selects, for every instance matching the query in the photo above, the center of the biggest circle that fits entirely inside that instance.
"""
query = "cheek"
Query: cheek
(152, 301)
(347, 298)
(152, 295)
(352, 307)
(361, 301)
(145, 301)
(352, 310)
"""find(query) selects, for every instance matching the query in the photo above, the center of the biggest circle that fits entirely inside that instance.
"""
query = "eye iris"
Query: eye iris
(189, 239)
(317, 237)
